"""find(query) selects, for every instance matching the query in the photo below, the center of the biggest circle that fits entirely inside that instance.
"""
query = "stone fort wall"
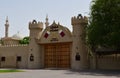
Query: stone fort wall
(14, 56)
(106, 62)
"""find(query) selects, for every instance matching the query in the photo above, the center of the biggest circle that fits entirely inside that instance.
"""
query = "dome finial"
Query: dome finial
(7, 20)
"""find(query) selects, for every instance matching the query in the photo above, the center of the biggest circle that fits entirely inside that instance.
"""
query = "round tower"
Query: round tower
(34, 48)
(79, 49)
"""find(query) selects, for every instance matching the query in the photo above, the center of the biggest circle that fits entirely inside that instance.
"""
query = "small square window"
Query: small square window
(2, 58)
(18, 58)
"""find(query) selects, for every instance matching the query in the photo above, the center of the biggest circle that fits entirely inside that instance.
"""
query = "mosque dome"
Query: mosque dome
(17, 36)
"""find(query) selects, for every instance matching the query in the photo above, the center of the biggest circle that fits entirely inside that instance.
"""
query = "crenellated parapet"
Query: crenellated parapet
(19, 45)
(79, 20)
(35, 25)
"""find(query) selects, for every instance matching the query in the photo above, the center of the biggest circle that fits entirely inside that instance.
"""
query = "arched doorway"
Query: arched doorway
(57, 55)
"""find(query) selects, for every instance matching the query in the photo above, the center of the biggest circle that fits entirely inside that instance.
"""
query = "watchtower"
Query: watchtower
(34, 48)
(79, 49)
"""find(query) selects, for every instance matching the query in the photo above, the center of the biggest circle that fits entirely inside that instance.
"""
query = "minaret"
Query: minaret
(46, 23)
(6, 27)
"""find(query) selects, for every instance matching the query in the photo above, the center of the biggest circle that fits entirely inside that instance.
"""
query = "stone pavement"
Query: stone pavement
(49, 73)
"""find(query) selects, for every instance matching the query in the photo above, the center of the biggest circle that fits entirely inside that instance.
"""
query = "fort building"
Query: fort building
(53, 47)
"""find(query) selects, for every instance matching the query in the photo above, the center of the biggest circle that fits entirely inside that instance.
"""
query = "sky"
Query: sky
(21, 12)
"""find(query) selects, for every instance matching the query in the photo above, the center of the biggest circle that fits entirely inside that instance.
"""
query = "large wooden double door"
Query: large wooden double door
(57, 55)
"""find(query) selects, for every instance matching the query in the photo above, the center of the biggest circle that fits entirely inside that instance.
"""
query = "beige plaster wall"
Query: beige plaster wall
(109, 62)
(34, 48)
(11, 52)
(78, 45)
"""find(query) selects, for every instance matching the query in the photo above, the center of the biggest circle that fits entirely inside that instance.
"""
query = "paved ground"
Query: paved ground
(47, 73)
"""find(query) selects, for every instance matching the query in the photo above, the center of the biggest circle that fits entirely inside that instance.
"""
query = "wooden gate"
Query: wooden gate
(57, 55)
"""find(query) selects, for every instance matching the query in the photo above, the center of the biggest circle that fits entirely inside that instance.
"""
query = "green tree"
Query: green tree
(104, 24)
(25, 40)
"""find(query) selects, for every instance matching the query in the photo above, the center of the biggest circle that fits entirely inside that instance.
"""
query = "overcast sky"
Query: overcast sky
(21, 12)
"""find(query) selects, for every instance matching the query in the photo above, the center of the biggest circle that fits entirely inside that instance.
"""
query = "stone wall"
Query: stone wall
(9, 54)
(106, 62)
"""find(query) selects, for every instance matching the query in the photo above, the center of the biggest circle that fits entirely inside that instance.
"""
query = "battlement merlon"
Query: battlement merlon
(79, 20)
(35, 25)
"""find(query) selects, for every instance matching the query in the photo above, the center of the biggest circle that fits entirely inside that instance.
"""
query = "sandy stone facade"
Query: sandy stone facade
(53, 47)
(9, 56)
(79, 47)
